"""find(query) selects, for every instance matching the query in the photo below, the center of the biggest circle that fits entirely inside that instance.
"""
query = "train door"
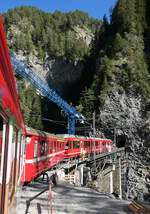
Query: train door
(109, 146)
(96, 146)
(76, 147)
(68, 148)
(21, 171)
(13, 166)
(87, 146)
(103, 146)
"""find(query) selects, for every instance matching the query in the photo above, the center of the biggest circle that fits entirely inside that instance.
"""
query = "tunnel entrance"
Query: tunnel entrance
(120, 141)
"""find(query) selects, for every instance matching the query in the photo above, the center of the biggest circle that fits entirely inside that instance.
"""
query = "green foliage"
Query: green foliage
(119, 55)
(87, 102)
(33, 30)
(30, 105)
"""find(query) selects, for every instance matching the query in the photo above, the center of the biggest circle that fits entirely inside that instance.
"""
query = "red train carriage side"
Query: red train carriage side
(76, 146)
(12, 131)
(73, 147)
(102, 145)
(43, 150)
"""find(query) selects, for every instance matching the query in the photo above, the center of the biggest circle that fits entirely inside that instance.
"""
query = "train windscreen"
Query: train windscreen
(76, 144)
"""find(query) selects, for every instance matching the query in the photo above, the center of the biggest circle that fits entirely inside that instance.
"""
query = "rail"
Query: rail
(103, 155)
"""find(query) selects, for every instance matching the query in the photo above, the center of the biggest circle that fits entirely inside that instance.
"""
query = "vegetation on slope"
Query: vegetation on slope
(41, 33)
(120, 55)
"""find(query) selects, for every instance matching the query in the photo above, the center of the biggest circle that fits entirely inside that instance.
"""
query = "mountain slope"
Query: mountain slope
(120, 90)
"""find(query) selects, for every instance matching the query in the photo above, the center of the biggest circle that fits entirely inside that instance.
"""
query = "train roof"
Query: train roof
(32, 131)
(81, 137)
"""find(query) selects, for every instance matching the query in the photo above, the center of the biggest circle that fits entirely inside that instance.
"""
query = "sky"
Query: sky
(95, 8)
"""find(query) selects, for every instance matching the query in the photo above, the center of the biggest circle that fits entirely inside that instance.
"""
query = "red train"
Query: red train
(44, 150)
(12, 131)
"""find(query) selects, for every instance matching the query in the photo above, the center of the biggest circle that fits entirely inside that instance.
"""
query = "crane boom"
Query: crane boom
(24, 71)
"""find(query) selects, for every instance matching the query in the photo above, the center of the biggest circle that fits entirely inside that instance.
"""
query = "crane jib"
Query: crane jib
(24, 71)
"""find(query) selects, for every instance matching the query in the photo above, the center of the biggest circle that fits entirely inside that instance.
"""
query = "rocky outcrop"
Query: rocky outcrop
(56, 72)
(122, 117)
(84, 34)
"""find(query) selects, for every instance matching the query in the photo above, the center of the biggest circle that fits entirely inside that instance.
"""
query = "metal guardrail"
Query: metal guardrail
(103, 155)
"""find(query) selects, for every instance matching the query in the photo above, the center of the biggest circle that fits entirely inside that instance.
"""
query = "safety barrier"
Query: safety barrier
(139, 208)
(50, 198)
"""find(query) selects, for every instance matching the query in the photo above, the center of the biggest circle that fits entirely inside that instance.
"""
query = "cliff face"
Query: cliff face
(120, 91)
(59, 75)
(125, 114)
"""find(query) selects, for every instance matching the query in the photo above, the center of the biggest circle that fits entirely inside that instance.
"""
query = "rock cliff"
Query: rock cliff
(123, 117)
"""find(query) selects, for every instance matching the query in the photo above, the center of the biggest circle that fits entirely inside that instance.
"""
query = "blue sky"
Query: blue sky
(95, 8)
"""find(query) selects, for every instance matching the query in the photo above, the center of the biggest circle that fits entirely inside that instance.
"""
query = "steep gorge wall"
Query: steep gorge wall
(60, 75)
(125, 113)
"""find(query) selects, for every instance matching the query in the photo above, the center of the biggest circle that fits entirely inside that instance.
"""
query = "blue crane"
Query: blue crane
(24, 71)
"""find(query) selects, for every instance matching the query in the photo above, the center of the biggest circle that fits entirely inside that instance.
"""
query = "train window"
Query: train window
(42, 147)
(96, 143)
(62, 146)
(58, 146)
(46, 147)
(68, 145)
(76, 144)
(54, 147)
(86, 144)
(35, 148)
(51, 146)
(104, 146)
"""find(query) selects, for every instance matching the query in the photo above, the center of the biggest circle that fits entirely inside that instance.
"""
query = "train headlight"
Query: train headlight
(84, 152)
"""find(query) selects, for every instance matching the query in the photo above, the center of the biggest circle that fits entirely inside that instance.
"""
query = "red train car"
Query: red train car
(12, 130)
(76, 146)
(43, 150)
